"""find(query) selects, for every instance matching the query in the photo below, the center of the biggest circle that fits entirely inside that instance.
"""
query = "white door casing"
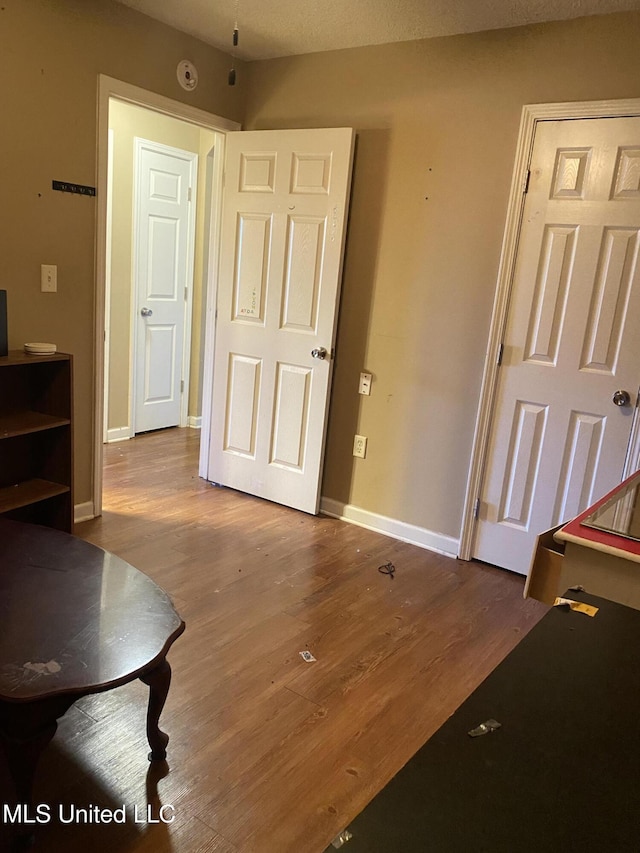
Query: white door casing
(107, 289)
(283, 227)
(164, 235)
(572, 338)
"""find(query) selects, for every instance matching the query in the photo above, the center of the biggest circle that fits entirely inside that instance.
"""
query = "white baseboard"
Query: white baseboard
(118, 434)
(83, 512)
(195, 422)
(438, 542)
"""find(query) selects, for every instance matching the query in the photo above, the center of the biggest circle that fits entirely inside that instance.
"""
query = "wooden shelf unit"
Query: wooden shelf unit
(36, 439)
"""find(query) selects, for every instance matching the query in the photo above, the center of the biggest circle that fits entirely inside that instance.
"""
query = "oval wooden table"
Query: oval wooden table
(74, 620)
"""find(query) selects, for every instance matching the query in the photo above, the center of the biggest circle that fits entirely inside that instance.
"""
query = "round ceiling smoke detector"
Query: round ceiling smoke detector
(187, 75)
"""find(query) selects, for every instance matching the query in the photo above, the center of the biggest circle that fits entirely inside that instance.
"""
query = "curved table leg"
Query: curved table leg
(158, 680)
(25, 730)
(22, 758)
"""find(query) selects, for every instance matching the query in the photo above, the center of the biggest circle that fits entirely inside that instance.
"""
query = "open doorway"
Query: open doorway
(285, 289)
(127, 113)
(155, 280)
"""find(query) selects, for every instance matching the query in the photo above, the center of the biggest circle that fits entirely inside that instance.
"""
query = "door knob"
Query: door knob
(146, 312)
(621, 398)
(319, 352)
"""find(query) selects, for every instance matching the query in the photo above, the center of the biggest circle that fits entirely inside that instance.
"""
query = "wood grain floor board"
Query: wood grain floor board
(361, 729)
(268, 753)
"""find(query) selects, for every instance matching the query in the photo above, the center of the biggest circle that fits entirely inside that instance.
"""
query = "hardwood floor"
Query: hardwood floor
(268, 753)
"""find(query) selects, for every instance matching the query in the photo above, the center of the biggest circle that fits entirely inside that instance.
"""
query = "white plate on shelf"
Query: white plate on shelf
(40, 349)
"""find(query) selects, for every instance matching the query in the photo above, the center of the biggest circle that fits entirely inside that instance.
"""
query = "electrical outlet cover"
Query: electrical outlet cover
(360, 446)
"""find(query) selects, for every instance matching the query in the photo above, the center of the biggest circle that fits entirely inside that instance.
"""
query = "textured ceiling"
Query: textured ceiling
(271, 28)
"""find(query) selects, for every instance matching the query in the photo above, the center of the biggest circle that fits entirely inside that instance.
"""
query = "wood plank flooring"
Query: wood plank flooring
(268, 753)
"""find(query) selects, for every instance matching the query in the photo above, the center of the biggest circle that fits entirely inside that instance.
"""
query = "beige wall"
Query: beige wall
(437, 125)
(127, 122)
(51, 56)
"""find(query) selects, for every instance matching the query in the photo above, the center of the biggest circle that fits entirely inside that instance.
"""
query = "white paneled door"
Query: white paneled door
(164, 249)
(283, 227)
(560, 430)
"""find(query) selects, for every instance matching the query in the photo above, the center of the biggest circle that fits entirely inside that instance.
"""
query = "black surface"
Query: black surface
(561, 774)
(3, 323)
(68, 187)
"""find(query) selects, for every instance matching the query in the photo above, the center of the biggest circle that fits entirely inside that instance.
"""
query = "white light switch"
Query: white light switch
(365, 384)
(48, 278)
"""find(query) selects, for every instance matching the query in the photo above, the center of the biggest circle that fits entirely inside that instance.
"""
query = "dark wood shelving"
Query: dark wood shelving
(29, 492)
(36, 438)
(21, 423)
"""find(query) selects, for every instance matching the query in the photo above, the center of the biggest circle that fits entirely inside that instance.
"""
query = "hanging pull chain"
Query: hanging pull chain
(234, 41)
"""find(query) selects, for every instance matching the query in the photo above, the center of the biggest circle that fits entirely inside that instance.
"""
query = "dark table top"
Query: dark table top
(74, 618)
(561, 774)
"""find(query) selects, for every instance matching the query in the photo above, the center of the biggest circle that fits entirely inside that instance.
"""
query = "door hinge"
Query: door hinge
(186, 291)
(476, 509)
(182, 386)
(500, 354)
(527, 177)
(189, 195)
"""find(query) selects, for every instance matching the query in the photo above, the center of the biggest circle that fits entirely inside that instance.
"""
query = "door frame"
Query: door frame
(107, 287)
(110, 88)
(531, 115)
(193, 159)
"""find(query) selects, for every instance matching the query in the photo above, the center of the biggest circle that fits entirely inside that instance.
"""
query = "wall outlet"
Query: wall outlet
(359, 446)
(48, 278)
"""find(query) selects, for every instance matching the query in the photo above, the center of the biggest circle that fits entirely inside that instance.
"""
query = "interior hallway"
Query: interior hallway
(268, 753)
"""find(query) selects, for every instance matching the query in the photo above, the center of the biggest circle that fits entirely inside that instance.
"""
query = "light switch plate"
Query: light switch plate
(365, 384)
(48, 278)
